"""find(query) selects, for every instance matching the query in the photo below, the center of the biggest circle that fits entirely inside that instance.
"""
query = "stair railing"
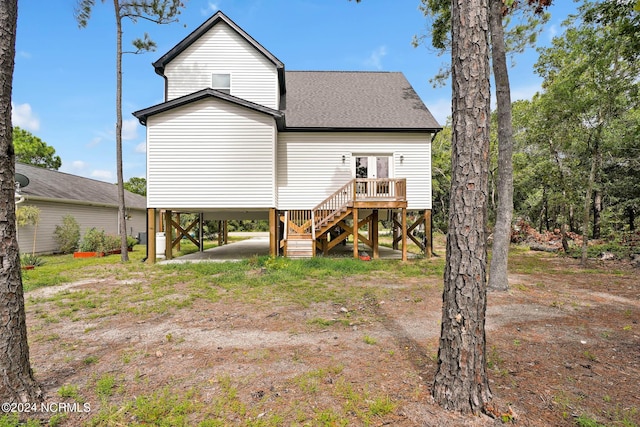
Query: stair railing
(325, 210)
(299, 222)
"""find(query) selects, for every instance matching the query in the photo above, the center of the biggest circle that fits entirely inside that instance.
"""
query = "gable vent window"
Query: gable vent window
(221, 82)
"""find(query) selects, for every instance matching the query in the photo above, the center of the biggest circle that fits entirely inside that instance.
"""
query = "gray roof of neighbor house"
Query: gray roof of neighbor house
(54, 185)
(355, 101)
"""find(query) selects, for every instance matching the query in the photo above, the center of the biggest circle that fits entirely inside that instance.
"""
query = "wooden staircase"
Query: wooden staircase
(304, 227)
(300, 246)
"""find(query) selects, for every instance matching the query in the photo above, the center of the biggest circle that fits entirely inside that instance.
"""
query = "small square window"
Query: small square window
(221, 82)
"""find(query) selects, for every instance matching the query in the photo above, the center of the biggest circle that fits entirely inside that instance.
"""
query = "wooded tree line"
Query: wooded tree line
(577, 142)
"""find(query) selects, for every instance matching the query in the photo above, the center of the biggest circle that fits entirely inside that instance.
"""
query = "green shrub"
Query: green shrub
(131, 241)
(111, 242)
(67, 235)
(93, 241)
(30, 259)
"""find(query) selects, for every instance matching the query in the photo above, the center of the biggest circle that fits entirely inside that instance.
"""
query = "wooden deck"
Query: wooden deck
(303, 233)
(312, 226)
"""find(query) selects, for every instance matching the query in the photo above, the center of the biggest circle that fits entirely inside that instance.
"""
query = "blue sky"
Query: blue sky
(64, 79)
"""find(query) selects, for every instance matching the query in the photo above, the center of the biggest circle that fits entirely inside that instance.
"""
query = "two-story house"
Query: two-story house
(320, 154)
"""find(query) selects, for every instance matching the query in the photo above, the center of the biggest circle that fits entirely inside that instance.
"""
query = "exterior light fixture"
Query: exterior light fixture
(344, 159)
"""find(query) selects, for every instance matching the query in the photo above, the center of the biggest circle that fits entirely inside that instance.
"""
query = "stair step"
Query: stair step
(300, 248)
(299, 237)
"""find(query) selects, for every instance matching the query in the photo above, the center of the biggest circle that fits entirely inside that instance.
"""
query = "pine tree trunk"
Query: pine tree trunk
(16, 378)
(498, 279)
(587, 198)
(586, 216)
(597, 213)
(122, 218)
(461, 382)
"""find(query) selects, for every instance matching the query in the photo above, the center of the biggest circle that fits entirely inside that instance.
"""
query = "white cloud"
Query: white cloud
(23, 116)
(375, 59)
(23, 54)
(78, 165)
(94, 142)
(129, 129)
(142, 147)
(210, 9)
(102, 175)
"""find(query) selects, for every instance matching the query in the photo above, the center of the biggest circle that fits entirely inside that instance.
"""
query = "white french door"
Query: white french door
(372, 166)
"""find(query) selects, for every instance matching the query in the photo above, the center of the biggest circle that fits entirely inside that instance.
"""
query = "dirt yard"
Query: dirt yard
(563, 346)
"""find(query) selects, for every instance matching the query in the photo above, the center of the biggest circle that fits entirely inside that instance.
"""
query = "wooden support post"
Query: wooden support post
(373, 234)
(178, 221)
(168, 237)
(355, 233)
(220, 236)
(151, 235)
(201, 231)
(225, 235)
(395, 231)
(404, 234)
(428, 234)
(273, 232)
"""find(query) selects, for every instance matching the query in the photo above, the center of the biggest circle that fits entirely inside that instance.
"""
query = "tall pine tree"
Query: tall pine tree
(461, 382)
(157, 11)
(17, 383)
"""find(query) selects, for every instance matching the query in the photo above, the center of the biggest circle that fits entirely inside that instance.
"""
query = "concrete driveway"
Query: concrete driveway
(258, 245)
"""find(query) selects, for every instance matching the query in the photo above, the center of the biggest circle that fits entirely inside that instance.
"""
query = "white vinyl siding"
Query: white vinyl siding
(51, 214)
(222, 50)
(210, 154)
(310, 166)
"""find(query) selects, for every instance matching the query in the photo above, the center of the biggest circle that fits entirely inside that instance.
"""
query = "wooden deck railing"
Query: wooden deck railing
(359, 189)
(299, 222)
(387, 189)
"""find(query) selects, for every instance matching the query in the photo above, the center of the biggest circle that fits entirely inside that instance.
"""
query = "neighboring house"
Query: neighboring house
(311, 151)
(92, 203)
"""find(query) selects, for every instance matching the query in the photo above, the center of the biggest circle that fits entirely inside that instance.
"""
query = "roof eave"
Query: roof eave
(75, 202)
(359, 129)
(142, 115)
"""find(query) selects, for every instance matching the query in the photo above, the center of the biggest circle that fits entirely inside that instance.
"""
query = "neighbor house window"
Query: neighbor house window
(221, 82)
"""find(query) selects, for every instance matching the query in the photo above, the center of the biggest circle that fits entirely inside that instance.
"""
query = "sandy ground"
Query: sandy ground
(559, 346)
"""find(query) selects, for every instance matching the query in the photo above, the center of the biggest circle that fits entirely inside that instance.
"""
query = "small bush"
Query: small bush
(93, 241)
(67, 235)
(131, 241)
(30, 259)
(111, 242)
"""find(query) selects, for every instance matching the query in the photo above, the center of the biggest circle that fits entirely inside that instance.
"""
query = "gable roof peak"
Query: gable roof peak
(215, 19)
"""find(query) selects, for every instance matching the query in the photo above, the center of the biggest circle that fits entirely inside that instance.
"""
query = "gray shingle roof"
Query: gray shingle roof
(354, 100)
(142, 115)
(52, 184)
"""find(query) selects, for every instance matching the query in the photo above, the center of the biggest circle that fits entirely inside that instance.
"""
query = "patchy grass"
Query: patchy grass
(319, 342)
(58, 269)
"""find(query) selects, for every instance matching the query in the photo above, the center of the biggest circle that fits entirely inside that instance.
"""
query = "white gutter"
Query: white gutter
(74, 202)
